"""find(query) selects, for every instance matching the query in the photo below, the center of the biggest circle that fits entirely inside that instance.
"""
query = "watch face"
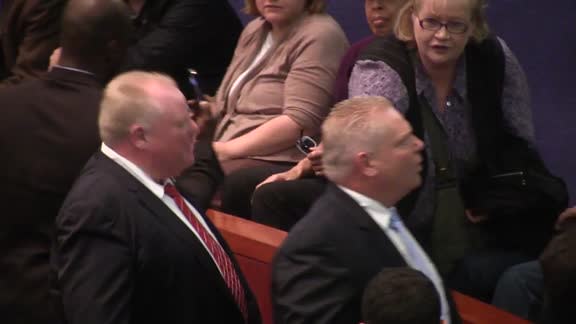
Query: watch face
(305, 144)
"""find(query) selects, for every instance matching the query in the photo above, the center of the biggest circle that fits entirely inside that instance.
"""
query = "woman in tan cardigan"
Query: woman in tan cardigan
(277, 87)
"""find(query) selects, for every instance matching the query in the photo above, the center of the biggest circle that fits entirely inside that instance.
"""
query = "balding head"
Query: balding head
(351, 128)
(95, 30)
(130, 99)
(369, 148)
(145, 118)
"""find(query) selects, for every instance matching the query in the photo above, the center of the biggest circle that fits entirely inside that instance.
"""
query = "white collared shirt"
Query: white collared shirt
(381, 216)
(158, 191)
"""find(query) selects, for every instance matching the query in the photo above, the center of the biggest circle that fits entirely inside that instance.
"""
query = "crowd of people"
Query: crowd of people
(124, 120)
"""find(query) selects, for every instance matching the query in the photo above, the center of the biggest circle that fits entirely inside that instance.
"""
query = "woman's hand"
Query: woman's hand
(475, 217)
(301, 169)
(568, 214)
(315, 158)
(54, 58)
(201, 112)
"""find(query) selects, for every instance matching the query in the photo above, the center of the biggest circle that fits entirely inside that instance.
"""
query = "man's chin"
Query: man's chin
(417, 183)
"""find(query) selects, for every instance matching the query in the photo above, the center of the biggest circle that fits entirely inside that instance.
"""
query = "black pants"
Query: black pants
(283, 204)
(235, 180)
(277, 204)
(239, 187)
(478, 272)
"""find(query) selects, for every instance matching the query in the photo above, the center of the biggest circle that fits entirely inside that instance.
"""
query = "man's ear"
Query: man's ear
(138, 136)
(364, 164)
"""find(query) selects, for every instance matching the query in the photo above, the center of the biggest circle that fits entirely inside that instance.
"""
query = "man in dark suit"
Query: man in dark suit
(353, 231)
(29, 32)
(175, 35)
(48, 131)
(129, 248)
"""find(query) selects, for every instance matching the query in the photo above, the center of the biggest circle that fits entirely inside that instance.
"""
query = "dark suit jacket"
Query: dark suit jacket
(47, 133)
(122, 256)
(322, 267)
(174, 35)
(29, 32)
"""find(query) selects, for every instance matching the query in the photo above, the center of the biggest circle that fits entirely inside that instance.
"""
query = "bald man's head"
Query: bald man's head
(90, 28)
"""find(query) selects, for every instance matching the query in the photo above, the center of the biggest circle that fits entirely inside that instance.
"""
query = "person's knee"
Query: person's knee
(521, 274)
(267, 195)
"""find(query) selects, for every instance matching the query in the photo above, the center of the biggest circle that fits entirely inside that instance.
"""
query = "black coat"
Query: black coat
(122, 256)
(48, 131)
(174, 35)
(323, 266)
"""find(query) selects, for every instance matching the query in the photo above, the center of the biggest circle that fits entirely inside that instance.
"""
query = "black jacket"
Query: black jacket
(174, 35)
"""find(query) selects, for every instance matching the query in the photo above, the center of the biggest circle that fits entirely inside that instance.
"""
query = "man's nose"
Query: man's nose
(419, 144)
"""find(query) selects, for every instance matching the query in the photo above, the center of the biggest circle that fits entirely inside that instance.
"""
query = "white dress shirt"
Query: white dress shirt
(381, 216)
(158, 191)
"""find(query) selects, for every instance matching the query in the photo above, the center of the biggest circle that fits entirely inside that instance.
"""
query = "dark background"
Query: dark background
(542, 34)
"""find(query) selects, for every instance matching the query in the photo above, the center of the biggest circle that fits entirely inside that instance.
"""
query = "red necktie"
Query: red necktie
(222, 259)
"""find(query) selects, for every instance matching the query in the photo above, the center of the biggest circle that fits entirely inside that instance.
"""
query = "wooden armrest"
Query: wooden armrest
(247, 238)
(474, 311)
(254, 246)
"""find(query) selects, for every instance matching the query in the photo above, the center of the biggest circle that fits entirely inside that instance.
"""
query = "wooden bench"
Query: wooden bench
(254, 246)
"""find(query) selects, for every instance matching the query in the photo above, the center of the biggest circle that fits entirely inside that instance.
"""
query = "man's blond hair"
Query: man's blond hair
(351, 128)
(126, 101)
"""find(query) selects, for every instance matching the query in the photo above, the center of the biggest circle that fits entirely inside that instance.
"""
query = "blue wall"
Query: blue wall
(543, 36)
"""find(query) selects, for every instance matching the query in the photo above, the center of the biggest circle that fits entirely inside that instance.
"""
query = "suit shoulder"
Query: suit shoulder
(95, 190)
(321, 227)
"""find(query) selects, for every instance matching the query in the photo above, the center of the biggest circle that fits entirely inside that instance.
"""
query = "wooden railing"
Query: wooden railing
(254, 246)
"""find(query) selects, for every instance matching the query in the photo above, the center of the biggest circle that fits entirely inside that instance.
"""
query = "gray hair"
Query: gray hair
(127, 101)
(349, 129)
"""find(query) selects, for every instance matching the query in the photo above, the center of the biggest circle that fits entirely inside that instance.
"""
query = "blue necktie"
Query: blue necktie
(417, 258)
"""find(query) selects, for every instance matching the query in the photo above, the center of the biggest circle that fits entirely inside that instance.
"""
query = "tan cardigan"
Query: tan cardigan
(295, 79)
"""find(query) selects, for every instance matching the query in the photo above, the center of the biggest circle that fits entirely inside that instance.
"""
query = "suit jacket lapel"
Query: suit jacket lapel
(359, 218)
(166, 217)
(378, 238)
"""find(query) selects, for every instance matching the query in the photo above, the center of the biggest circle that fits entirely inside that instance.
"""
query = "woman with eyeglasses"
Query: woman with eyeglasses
(466, 94)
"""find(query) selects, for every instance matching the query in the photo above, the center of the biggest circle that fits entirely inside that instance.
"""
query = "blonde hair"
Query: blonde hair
(351, 128)
(403, 28)
(312, 6)
(127, 101)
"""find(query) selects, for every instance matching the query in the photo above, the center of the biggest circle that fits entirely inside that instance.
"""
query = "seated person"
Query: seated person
(372, 159)
(541, 290)
(559, 273)
(400, 296)
(278, 86)
(29, 32)
(172, 36)
(268, 203)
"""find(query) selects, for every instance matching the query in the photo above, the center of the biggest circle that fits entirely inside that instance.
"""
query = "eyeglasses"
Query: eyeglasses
(453, 27)
(305, 144)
